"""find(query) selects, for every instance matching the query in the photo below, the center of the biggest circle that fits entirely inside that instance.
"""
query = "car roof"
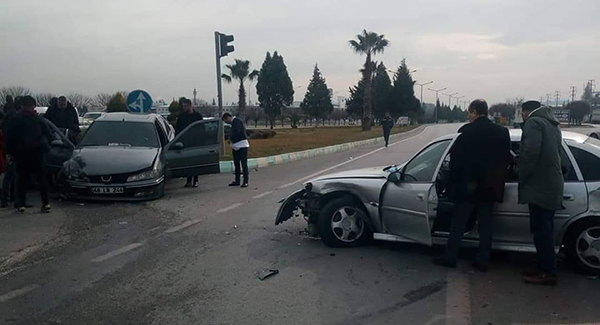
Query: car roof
(515, 135)
(128, 117)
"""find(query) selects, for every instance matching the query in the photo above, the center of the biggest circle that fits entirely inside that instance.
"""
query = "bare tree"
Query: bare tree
(81, 101)
(43, 99)
(14, 91)
(101, 100)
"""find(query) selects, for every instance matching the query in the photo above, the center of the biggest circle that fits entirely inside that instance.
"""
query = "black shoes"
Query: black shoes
(188, 184)
(46, 208)
(244, 185)
(233, 184)
(195, 184)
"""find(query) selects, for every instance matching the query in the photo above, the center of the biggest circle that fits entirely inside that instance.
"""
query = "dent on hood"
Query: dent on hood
(74, 167)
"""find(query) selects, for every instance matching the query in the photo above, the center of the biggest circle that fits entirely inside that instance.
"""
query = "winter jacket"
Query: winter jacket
(541, 179)
(238, 130)
(64, 118)
(388, 124)
(2, 155)
(186, 119)
(479, 161)
(27, 135)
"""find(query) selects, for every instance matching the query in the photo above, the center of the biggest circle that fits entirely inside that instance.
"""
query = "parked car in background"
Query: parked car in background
(409, 203)
(93, 115)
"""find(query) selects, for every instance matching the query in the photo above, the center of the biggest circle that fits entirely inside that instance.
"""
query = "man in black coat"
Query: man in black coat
(388, 124)
(186, 117)
(479, 161)
(64, 117)
(27, 142)
(239, 146)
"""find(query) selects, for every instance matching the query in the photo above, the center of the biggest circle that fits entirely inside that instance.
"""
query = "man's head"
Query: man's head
(227, 118)
(9, 99)
(528, 107)
(478, 108)
(28, 102)
(62, 102)
(186, 105)
(387, 114)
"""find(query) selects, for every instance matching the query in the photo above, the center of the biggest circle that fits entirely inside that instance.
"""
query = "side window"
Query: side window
(568, 169)
(200, 135)
(588, 164)
(161, 134)
(423, 166)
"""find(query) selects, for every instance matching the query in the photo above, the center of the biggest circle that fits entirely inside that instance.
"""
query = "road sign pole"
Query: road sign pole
(219, 92)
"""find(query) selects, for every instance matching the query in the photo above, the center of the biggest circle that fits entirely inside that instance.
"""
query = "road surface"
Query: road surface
(192, 258)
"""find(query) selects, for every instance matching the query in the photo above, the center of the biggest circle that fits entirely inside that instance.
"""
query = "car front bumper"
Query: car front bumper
(134, 191)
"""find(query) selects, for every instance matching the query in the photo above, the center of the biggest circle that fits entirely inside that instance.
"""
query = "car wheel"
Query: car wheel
(583, 246)
(342, 223)
(594, 135)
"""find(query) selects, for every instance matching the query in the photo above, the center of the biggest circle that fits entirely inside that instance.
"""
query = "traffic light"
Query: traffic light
(225, 47)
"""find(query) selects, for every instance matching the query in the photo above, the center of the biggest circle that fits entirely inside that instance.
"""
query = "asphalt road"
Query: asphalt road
(192, 258)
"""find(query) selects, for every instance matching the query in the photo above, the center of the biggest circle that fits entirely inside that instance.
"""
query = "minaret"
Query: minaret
(195, 93)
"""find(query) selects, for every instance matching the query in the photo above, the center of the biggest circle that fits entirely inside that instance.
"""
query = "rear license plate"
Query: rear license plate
(108, 190)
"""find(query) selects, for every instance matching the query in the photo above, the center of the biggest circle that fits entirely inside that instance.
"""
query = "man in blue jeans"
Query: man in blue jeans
(239, 146)
(541, 185)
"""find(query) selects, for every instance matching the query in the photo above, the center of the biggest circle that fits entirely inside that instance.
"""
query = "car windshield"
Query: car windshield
(117, 133)
(92, 116)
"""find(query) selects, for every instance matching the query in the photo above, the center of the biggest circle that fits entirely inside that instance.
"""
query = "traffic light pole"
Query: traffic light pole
(219, 93)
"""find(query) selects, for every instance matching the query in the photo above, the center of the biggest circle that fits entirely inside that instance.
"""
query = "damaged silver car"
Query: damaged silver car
(409, 203)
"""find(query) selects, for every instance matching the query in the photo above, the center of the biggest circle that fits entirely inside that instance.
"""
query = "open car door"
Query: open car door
(195, 151)
(61, 149)
(408, 206)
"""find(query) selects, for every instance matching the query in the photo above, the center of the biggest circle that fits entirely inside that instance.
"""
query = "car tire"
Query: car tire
(582, 245)
(342, 223)
(595, 135)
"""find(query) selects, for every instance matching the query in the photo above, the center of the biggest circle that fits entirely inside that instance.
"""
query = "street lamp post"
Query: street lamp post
(437, 100)
(450, 98)
(458, 99)
(421, 85)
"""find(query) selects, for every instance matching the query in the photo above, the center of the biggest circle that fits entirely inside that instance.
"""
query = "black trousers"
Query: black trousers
(8, 183)
(192, 179)
(542, 228)
(386, 136)
(26, 169)
(462, 212)
(240, 161)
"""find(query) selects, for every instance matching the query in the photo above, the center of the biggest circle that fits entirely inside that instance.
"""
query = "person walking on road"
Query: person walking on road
(239, 146)
(541, 185)
(27, 142)
(479, 163)
(388, 124)
(186, 118)
(65, 118)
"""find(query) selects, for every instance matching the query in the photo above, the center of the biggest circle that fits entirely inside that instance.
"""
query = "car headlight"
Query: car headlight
(150, 174)
(78, 178)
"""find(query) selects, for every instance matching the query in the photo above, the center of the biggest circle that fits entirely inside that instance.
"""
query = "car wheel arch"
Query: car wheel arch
(567, 241)
(328, 197)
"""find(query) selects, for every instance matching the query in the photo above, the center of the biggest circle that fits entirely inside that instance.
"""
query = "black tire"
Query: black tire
(331, 212)
(573, 243)
(595, 135)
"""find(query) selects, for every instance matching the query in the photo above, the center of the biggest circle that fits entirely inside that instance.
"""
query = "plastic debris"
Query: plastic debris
(227, 233)
(262, 275)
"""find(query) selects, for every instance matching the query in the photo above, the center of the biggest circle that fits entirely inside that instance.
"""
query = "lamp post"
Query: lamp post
(450, 97)
(458, 99)
(437, 100)
(421, 85)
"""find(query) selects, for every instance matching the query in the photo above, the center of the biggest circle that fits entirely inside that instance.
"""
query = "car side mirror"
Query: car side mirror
(395, 177)
(57, 143)
(178, 146)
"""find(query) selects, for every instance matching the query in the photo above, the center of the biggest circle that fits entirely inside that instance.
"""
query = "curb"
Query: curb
(227, 166)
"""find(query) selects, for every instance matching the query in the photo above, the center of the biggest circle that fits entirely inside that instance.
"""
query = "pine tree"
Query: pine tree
(355, 103)
(382, 91)
(403, 93)
(117, 104)
(174, 110)
(274, 86)
(317, 101)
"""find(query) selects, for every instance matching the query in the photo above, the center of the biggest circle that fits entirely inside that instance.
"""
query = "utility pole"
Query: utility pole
(222, 48)
(421, 85)
(548, 99)
(464, 104)
(459, 98)
(437, 100)
(557, 96)
(450, 98)
(195, 92)
(592, 84)
(573, 93)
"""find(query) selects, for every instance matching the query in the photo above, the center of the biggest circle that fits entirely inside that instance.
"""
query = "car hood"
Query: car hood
(371, 172)
(94, 161)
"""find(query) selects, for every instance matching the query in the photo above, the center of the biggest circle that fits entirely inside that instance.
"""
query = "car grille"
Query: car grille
(114, 179)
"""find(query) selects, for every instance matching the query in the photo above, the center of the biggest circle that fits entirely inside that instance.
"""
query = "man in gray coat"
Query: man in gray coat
(541, 185)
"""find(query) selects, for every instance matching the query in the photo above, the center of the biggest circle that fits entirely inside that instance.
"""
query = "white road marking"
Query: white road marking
(19, 292)
(229, 208)
(458, 300)
(349, 161)
(116, 252)
(260, 196)
(182, 226)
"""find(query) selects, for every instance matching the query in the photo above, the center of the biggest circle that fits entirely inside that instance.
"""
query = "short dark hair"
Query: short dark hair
(185, 101)
(479, 106)
(28, 101)
(530, 106)
(226, 115)
(62, 99)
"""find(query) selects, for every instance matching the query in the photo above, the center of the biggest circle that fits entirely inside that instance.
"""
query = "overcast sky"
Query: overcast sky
(490, 49)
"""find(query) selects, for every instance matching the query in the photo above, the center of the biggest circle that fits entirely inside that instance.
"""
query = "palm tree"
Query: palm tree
(369, 44)
(240, 71)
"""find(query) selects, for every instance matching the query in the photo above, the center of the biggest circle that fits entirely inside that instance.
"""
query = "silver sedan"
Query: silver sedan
(409, 203)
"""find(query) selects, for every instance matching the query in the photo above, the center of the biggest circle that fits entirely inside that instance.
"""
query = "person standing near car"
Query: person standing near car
(27, 142)
(479, 161)
(8, 183)
(239, 146)
(186, 117)
(388, 124)
(65, 118)
(541, 185)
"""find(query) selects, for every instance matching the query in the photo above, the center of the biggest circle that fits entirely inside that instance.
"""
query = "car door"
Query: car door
(61, 149)
(407, 207)
(195, 151)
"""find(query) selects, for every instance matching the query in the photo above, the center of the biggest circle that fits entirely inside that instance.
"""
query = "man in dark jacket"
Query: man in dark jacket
(27, 142)
(541, 184)
(479, 163)
(65, 118)
(8, 183)
(388, 123)
(239, 146)
(186, 117)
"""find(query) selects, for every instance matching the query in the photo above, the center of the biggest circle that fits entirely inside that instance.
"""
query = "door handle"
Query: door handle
(568, 197)
(420, 196)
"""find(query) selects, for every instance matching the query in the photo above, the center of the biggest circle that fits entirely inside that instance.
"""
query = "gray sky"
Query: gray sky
(480, 48)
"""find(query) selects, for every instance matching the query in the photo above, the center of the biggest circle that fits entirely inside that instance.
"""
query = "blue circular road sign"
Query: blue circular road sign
(139, 101)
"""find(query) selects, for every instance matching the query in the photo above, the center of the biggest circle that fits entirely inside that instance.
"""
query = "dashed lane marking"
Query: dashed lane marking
(229, 208)
(260, 196)
(116, 252)
(19, 292)
(182, 226)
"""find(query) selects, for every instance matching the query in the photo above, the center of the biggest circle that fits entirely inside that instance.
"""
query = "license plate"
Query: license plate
(107, 190)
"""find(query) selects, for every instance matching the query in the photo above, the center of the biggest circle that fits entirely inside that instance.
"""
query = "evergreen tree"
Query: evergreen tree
(403, 93)
(117, 104)
(174, 110)
(317, 101)
(382, 91)
(274, 86)
(355, 103)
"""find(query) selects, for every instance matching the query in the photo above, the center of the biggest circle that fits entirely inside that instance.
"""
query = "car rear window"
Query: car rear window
(118, 133)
